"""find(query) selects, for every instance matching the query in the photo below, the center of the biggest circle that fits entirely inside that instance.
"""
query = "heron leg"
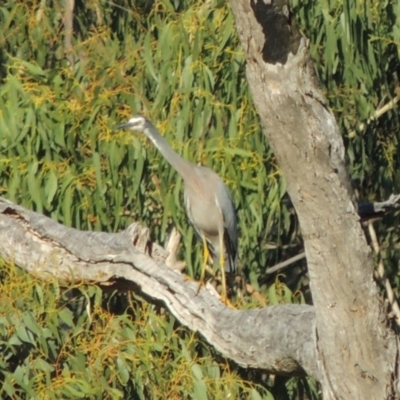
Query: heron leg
(224, 294)
(206, 256)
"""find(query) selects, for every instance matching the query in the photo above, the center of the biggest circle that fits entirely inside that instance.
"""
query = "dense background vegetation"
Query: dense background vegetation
(180, 64)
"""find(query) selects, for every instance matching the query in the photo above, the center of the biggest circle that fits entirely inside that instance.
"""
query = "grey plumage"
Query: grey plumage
(208, 202)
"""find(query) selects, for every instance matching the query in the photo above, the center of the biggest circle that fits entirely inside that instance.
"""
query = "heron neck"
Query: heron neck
(174, 159)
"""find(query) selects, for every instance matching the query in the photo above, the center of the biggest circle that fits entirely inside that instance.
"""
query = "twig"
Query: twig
(256, 294)
(378, 113)
(68, 30)
(285, 264)
(172, 248)
(380, 275)
(40, 11)
(378, 209)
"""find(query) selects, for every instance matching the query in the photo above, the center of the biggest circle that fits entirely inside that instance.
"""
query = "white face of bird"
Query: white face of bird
(136, 123)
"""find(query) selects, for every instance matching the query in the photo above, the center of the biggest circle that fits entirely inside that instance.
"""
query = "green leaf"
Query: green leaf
(200, 391)
(51, 186)
(32, 68)
(25, 335)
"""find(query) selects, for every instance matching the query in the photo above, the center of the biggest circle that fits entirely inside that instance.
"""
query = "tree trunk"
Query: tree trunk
(357, 350)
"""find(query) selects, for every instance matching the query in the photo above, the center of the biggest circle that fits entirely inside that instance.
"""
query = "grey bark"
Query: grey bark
(278, 339)
(357, 351)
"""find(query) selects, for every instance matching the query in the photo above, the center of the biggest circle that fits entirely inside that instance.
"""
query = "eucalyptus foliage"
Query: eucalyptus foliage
(51, 352)
(179, 63)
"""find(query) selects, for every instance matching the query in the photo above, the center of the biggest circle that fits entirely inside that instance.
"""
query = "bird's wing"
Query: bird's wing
(225, 203)
(188, 208)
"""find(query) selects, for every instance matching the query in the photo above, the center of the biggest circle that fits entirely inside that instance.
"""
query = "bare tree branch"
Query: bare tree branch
(278, 339)
(69, 30)
(366, 211)
(381, 275)
(378, 209)
(378, 113)
(287, 263)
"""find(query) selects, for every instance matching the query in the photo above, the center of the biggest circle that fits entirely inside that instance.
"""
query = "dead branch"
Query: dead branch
(278, 339)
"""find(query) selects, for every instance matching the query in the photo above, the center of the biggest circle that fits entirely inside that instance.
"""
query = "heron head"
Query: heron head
(136, 123)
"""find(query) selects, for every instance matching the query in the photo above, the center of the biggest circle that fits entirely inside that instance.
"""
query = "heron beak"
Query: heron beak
(123, 126)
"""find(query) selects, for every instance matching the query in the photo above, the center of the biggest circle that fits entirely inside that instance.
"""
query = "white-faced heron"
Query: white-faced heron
(208, 204)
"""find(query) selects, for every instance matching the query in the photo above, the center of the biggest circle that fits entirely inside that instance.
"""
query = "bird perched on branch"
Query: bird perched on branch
(208, 203)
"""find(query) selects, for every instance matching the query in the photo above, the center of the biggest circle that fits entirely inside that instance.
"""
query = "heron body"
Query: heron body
(217, 225)
(208, 203)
